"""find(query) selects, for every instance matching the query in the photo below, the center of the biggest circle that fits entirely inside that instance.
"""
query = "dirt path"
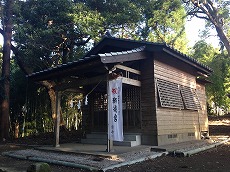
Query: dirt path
(14, 165)
(216, 159)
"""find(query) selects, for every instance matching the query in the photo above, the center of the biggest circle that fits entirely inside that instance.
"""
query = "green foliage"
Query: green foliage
(223, 10)
(216, 15)
(154, 20)
(30, 105)
(164, 22)
(71, 113)
(39, 28)
(204, 52)
(87, 22)
(120, 16)
(47, 33)
(18, 86)
(218, 90)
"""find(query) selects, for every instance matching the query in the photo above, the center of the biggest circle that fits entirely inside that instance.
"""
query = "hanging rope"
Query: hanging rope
(86, 96)
(94, 88)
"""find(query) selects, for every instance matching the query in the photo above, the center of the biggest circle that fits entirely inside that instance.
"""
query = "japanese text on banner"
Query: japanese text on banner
(115, 110)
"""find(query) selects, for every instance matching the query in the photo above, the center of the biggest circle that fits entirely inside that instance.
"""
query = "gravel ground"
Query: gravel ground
(95, 162)
(83, 160)
(8, 164)
(212, 160)
(215, 159)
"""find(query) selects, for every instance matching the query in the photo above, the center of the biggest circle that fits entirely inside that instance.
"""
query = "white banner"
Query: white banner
(115, 110)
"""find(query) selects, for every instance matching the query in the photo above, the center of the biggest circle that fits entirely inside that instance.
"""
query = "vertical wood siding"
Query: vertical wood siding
(203, 116)
(148, 105)
(176, 121)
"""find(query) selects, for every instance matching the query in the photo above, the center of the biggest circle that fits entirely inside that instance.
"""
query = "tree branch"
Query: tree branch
(82, 42)
(201, 17)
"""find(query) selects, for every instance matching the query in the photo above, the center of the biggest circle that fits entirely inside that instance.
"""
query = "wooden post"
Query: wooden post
(109, 141)
(57, 120)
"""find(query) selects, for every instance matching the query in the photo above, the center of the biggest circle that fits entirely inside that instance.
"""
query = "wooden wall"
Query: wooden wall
(203, 116)
(176, 125)
(148, 105)
(172, 74)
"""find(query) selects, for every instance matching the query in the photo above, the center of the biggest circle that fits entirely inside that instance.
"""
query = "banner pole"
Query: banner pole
(109, 140)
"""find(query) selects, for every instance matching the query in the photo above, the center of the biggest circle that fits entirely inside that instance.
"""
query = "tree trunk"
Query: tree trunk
(207, 8)
(6, 71)
(49, 86)
(223, 38)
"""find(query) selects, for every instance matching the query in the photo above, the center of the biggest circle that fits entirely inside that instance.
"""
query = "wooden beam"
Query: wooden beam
(131, 81)
(80, 82)
(65, 70)
(122, 67)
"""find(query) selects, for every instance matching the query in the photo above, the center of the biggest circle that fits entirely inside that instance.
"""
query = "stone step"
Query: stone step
(127, 137)
(126, 143)
(96, 136)
(104, 142)
(96, 141)
(130, 139)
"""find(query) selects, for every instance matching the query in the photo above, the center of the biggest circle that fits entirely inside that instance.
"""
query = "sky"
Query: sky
(192, 29)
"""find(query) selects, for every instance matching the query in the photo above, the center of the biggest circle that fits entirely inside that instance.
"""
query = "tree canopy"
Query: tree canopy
(218, 90)
(216, 15)
(50, 33)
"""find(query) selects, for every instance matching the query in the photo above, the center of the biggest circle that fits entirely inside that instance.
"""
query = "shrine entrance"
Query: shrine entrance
(131, 109)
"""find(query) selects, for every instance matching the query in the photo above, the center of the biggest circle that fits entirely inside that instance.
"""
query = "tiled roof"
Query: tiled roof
(85, 59)
(151, 46)
(143, 46)
(123, 52)
(189, 58)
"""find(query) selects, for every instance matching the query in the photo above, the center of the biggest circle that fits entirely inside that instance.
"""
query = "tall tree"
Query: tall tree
(121, 17)
(48, 33)
(5, 104)
(219, 89)
(165, 21)
(153, 20)
(216, 13)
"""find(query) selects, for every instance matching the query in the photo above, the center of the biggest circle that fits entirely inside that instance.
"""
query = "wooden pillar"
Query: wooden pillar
(57, 120)
(109, 141)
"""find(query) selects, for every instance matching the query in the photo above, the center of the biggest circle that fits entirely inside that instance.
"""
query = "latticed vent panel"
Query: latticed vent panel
(190, 98)
(191, 134)
(171, 136)
(169, 94)
(131, 97)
